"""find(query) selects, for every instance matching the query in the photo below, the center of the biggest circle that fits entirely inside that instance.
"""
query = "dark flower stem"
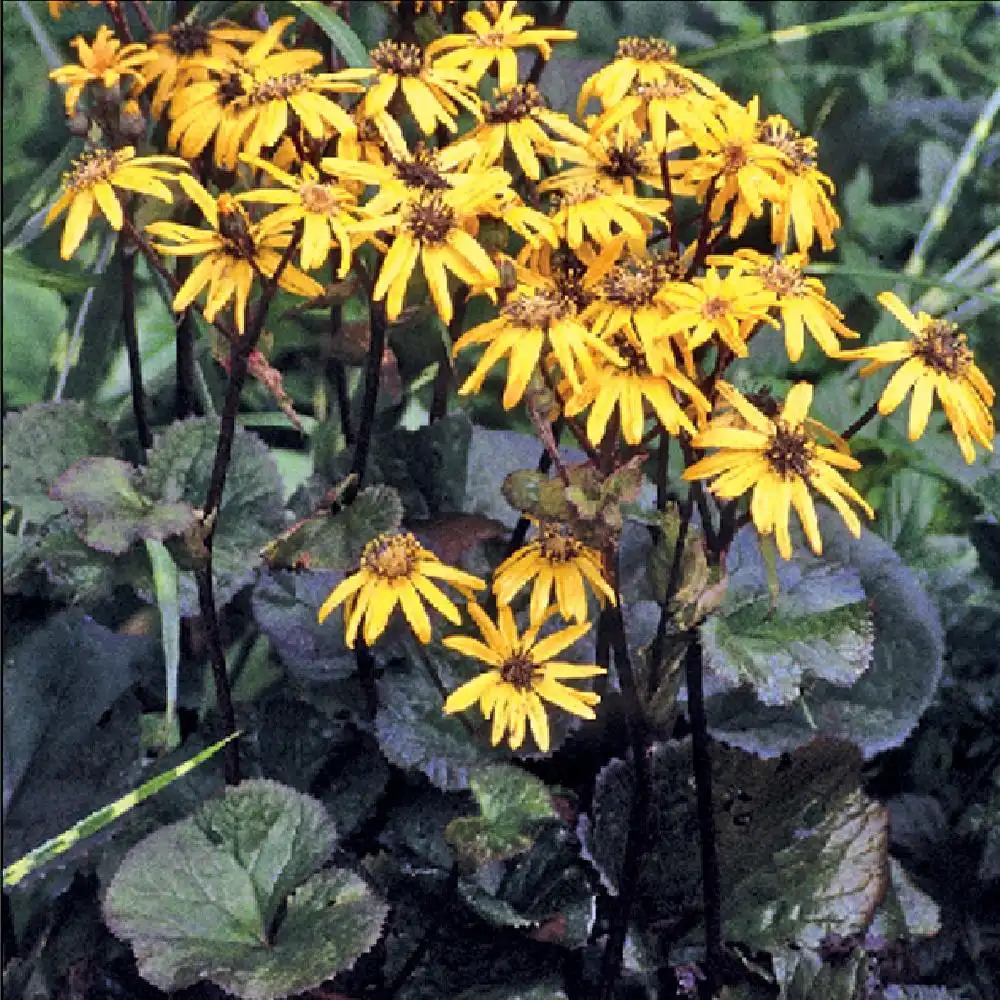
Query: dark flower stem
(126, 256)
(337, 374)
(613, 626)
(366, 425)
(865, 418)
(116, 11)
(239, 357)
(443, 378)
(702, 762)
(144, 19)
(557, 22)
(184, 347)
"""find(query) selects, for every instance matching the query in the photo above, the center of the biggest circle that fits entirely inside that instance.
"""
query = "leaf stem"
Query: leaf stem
(865, 418)
(130, 335)
(538, 66)
(366, 425)
(702, 764)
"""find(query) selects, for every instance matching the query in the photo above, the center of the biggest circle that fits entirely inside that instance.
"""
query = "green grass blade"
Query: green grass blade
(893, 277)
(89, 825)
(337, 30)
(782, 36)
(165, 586)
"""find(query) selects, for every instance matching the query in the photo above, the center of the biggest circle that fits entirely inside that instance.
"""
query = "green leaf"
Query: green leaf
(197, 899)
(802, 851)
(881, 708)
(334, 541)
(819, 627)
(492, 455)
(251, 512)
(336, 29)
(108, 511)
(58, 684)
(513, 804)
(40, 444)
(804, 975)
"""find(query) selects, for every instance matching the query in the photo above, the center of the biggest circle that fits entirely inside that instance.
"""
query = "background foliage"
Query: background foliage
(414, 807)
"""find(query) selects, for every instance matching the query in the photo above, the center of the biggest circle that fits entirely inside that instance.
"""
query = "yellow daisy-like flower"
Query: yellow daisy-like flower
(804, 205)
(555, 560)
(325, 209)
(781, 462)
(637, 61)
(936, 359)
(522, 674)
(520, 121)
(644, 379)
(396, 570)
(732, 165)
(715, 306)
(235, 253)
(588, 217)
(56, 6)
(495, 43)
(171, 67)
(532, 322)
(106, 62)
(88, 189)
(800, 302)
(619, 156)
(432, 93)
(432, 231)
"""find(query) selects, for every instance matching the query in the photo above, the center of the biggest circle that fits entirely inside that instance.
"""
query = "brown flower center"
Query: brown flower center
(279, 88)
(420, 171)
(580, 194)
(518, 671)
(92, 168)
(514, 104)
(398, 58)
(789, 451)
(230, 90)
(430, 220)
(538, 310)
(624, 161)
(943, 348)
(557, 544)
(234, 227)
(188, 39)
(392, 556)
(635, 282)
(801, 150)
(783, 279)
(734, 157)
(645, 49)
(631, 353)
(715, 308)
(674, 86)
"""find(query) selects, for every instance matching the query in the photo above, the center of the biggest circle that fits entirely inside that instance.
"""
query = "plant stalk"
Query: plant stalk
(131, 337)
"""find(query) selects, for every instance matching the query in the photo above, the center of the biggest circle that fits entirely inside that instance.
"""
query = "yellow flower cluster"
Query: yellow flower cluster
(438, 167)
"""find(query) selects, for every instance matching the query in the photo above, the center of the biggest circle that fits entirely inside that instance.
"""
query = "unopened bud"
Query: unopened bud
(131, 121)
(79, 124)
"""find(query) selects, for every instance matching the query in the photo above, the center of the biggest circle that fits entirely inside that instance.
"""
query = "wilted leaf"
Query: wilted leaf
(819, 627)
(109, 512)
(197, 899)
(40, 444)
(802, 851)
(512, 804)
(450, 536)
(251, 512)
(883, 706)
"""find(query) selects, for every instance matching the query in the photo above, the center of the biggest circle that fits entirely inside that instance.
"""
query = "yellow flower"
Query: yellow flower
(173, 49)
(645, 378)
(496, 43)
(432, 231)
(235, 253)
(517, 120)
(396, 569)
(325, 209)
(619, 157)
(88, 188)
(531, 322)
(106, 62)
(800, 302)
(522, 674)
(936, 359)
(733, 166)
(554, 560)
(637, 61)
(712, 306)
(432, 93)
(56, 6)
(804, 203)
(781, 462)
(598, 212)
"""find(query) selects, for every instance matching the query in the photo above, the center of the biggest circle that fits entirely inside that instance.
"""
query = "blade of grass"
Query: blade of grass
(165, 586)
(891, 277)
(96, 821)
(337, 30)
(782, 36)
